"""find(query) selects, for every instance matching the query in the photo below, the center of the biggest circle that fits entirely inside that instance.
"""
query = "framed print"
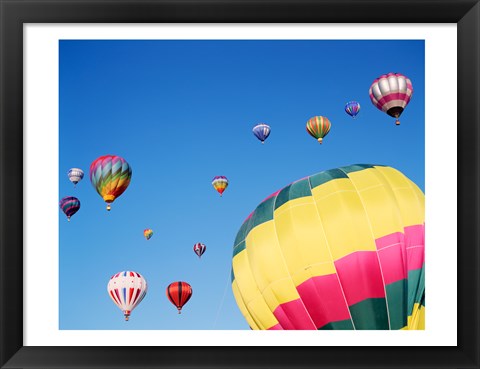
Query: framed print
(332, 146)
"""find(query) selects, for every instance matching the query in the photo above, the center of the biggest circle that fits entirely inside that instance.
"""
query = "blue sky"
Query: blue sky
(182, 112)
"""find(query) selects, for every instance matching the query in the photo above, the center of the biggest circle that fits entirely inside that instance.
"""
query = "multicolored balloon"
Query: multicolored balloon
(110, 175)
(261, 131)
(341, 249)
(69, 205)
(179, 293)
(352, 108)
(127, 289)
(318, 127)
(199, 249)
(148, 233)
(391, 93)
(75, 175)
(220, 184)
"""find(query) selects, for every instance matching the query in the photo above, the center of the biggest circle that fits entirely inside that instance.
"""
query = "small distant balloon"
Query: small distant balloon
(148, 233)
(110, 175)
(391, 93)
(220, 184)
(318, 127)
(352, 108)
(75, 175)
(199, 248)
(179, 293)
(69, 205)
(261, 131)
(127, 289)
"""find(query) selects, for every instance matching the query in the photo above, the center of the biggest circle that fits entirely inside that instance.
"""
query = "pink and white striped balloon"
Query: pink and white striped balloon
(391, 93)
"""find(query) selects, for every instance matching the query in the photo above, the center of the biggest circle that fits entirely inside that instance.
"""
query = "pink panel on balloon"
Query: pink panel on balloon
(394, 263)
(323, 298)
(292, 315)
(360, 276)
(415, 244)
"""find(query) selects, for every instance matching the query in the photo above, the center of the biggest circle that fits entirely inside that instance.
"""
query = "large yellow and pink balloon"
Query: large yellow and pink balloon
(342, 249)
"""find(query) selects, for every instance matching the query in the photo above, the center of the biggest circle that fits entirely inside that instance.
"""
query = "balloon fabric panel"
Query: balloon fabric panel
(355, 275)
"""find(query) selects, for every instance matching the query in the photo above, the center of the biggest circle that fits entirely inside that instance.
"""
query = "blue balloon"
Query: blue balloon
(352, 108)
(261, 131)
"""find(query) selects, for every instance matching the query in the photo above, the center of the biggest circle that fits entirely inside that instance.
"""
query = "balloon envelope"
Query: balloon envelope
(342, 249)
(127, 289)
(220, 184)
(199, 248)
(391, 93)
(318, 127)
(148, 233)
(110, 176)
(75, 175)
(69, 205)
(352, 108)
(179, 293)
(261, 131)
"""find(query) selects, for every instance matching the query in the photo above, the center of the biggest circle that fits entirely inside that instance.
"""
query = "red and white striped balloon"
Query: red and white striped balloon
(127, 289)
(391, 93)
(199, 248)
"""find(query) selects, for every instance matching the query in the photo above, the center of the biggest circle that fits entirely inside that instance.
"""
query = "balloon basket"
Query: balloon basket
(397, 122)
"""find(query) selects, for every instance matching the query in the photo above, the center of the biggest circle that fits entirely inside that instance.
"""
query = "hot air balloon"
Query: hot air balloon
(75, 175)
(127, 289)
(261, 131)
(179, 293)
(220, 183)
(69, 205)
(148, 233)
(391, 93)
(318, 127)
(352, 108)
(110, 175)
(199, 249)
(341, 249)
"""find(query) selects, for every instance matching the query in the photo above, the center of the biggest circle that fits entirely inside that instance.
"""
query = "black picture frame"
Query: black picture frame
(15, 13)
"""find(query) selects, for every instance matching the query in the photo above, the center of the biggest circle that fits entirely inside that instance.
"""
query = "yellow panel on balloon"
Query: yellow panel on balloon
(416, 321)
(346, 225)
(382, 210)
(333, 186)
(264, 255)
(280, 292)
(242, 307)
(300, 234)
(247, 287)
(410, 199)
(261, 313)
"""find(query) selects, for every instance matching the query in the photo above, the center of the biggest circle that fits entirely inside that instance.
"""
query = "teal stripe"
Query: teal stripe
(370, 314)
(397, 296)
(263, 213)
(239, 248)
(326, 176)
(340, 325)
(416, 287)
(358, 167)
(293, 191)
(242, 232)
(232, 275)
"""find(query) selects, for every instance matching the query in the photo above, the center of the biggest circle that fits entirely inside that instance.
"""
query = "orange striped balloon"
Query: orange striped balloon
(318, 127)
